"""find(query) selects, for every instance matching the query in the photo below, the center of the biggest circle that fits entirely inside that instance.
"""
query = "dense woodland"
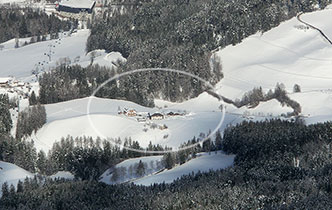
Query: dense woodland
(5, 117)
(28, 22)
(30, 120)
(279, 165)
(71, 82)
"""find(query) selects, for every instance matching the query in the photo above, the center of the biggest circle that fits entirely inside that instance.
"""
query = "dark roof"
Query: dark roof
(157, 115)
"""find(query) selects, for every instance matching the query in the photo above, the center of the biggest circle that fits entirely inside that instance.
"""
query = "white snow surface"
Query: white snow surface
(152, 165)
(77, 3)
(35, 56)
(11, 1)
(204, 162)
(287, 55)
(62, 175)
(11, 174)
(154, 174)
(70, 118)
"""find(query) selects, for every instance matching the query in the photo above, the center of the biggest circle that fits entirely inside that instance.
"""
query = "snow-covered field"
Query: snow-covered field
(288, 55)
(70, 118)
(47, 54)
(127, 169)
(203, 163)
(155, 173)
(11, 174)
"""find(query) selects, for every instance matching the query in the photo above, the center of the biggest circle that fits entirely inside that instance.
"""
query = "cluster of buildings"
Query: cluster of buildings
(14, 86)
(10, 82)
(144, 116)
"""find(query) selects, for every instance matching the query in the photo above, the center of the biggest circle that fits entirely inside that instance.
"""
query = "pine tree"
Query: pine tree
(5, 189)
(41, 162)
(169, 160)
(33, 99)
(218, 141)
(140, 170)
(19, 186)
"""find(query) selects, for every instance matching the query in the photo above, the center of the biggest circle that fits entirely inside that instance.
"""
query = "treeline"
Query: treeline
(84, 157)
(189, 150)
(19, 152)
(29, 22)
(67, 82)
(30, 120)
(279, 165)
(255, 96)
(5, 117)
(181, 35)
(71, 82)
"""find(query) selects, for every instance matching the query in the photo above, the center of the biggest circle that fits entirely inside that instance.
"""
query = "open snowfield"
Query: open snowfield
(35, 56)
(70, 118)
(11, 1)
(286, 55)
(157, 174)
(203, 163)
(127, 169)
(11, 174)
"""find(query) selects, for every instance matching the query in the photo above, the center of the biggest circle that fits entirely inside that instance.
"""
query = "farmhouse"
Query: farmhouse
(75, 6)
(157, 116)
(5, 81)
(131, 113)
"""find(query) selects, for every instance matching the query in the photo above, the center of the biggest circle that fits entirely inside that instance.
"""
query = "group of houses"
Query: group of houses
(144, 116)
(14, 86)
(10, 82)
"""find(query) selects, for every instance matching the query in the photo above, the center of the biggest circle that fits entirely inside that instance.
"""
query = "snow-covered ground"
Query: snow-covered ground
(70, 118)
(47, 54)
(11, 1)
(203, 163)
(155, 172)
(126, 170)
(62, 175)
(289, 55)
(11, 174)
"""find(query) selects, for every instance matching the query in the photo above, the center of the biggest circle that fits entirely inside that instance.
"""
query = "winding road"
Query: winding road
(313, 27)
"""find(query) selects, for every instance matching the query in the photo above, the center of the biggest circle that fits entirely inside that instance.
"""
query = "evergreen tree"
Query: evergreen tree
(33, 99)
(140, 170)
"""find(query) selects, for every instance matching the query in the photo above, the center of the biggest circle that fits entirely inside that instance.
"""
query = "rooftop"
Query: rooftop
(77, 3)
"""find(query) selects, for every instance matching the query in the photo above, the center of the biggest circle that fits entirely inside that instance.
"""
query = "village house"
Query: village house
(157, 116)
(5, 82)
(173, 114)
(131, 112)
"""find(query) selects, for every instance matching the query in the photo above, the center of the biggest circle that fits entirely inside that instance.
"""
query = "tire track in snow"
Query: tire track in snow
(313, 27)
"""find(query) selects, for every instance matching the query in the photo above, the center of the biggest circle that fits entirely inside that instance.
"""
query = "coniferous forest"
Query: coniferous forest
(28, 22)
(279, 165)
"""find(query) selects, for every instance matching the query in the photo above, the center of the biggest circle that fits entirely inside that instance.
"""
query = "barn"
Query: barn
(75, 6)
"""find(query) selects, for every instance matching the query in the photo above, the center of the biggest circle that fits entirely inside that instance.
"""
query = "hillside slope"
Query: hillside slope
(290, 54)
(11, 174)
